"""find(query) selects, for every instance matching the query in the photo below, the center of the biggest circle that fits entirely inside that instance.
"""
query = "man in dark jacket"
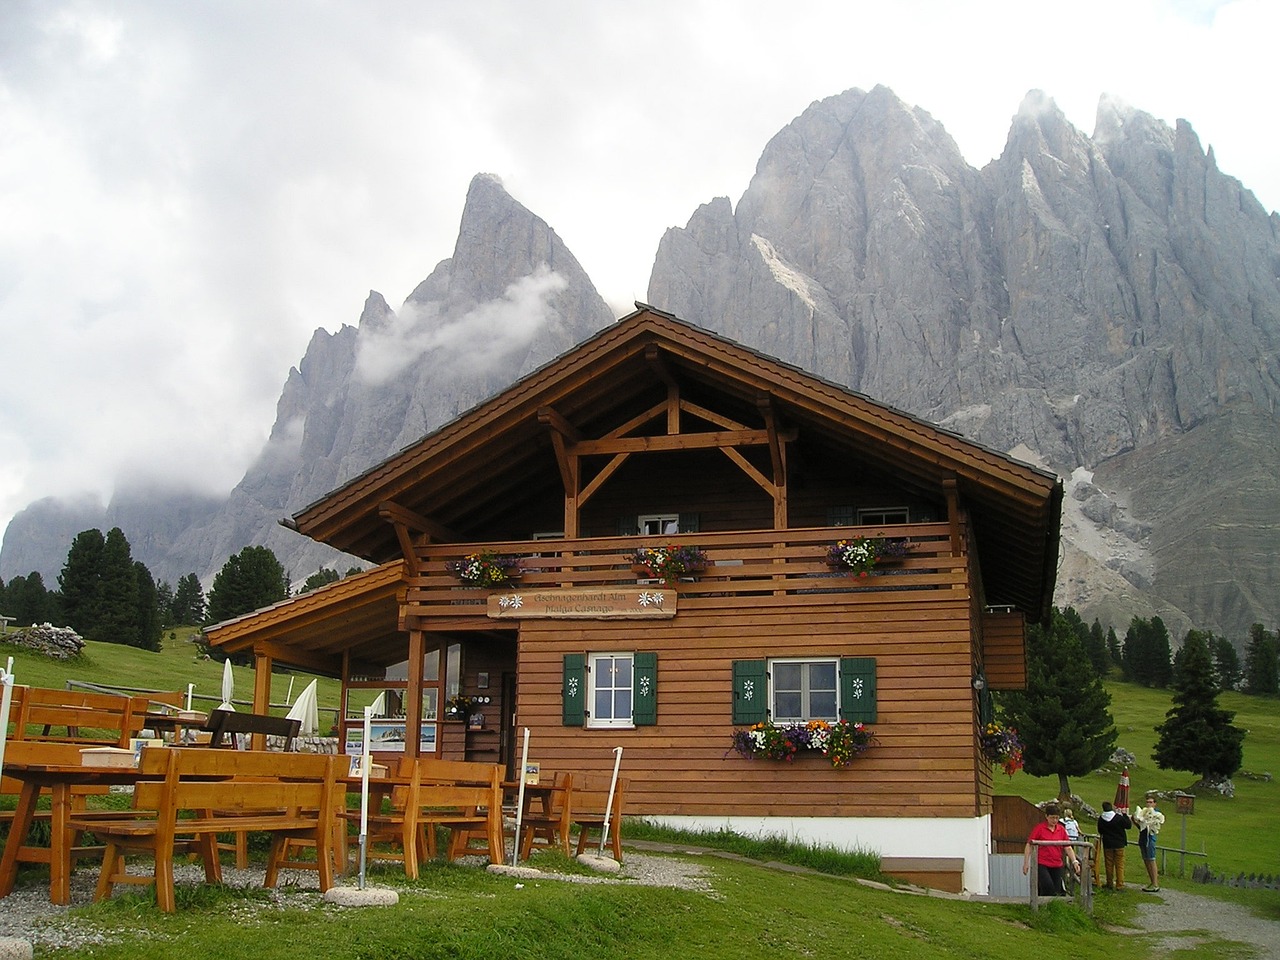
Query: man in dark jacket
(1111, 828)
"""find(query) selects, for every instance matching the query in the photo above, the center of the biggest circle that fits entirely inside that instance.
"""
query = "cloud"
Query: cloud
(472, 343)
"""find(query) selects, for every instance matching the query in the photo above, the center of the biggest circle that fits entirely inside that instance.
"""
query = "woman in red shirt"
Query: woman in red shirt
(1049, 858)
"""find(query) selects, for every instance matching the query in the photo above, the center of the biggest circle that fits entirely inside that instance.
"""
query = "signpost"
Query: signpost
(1186, 805)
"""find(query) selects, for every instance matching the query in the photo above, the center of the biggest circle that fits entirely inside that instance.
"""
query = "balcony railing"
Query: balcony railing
(756, 563)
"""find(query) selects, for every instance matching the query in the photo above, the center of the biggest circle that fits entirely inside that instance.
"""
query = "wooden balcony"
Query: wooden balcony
(746, 568)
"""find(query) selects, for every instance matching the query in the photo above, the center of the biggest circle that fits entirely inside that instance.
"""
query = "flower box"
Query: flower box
(860, 555)
(486, 569)
(668, 564)
(840, 742)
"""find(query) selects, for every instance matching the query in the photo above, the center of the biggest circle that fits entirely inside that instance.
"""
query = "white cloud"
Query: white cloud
(190, 189)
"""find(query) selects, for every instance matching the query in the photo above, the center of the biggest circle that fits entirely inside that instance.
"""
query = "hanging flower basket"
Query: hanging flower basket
(859, 556)
(486, 569)
(1001, 744)
(841, 742)
(668, 564)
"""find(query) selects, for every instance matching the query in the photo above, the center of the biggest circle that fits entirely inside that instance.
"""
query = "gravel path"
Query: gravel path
(1180, 914)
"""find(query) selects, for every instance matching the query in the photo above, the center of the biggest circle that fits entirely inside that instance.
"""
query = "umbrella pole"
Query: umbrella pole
(365, 760)
(524, 765)
(608, 806)
(6, 697)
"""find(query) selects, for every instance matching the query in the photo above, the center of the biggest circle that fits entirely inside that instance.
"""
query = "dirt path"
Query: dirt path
(1181, 915)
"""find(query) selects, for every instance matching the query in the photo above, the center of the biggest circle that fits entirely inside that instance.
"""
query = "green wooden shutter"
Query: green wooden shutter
(644, 692)
(575, 689)
(688, 522)
(750, 691)
(986, 705)
(627, 527)
(858, 689)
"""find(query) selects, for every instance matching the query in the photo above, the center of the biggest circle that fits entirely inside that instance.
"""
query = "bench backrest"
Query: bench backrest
(224, 722)
(75, 716)
(452, 783)
(590, 796)
(234, 782)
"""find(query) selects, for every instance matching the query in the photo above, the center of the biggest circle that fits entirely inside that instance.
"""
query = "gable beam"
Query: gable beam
(745, 465)
(393, 512)
(711, 416)
(765, 403)
(685, 441)
(609, 470)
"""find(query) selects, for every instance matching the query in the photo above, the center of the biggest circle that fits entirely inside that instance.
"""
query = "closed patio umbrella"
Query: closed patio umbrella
(1121, 801)
(6, 695)
(306, 710)
(228, 686)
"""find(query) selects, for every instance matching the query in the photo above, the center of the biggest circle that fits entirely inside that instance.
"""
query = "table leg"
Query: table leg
(18, 830)
(60, 843)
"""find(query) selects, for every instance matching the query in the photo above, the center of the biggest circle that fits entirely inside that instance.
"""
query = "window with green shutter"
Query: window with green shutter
(610, 689)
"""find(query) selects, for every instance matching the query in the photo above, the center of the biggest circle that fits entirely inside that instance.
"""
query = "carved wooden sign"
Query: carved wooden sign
(601, 603)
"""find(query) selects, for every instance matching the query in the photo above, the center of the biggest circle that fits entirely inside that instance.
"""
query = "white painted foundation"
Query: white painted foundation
(969, 838)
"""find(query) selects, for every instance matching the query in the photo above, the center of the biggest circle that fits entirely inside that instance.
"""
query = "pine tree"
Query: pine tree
(28, 602)
(164, 603)
(1197, 735)
(188, 601)
(252, 579)
(148, 609)
(1146, 659)
(1113, 647)
(1261, 672)
(319, 579)
(80, 582)
(1226, 663)
(117, 620)
(1062, 716)
(1096, 646)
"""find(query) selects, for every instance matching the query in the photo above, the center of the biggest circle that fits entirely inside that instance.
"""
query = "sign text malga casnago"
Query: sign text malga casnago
(617, 603)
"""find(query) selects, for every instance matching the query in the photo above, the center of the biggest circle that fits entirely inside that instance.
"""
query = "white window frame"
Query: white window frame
(596, 670)
(659, 522)
(883, 516)
(805, 691)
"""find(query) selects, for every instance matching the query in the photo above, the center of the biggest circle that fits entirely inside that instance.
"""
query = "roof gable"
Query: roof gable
(505, 444)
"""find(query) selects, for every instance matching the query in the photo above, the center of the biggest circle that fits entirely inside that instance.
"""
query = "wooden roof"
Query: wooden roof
(360, 613)
(456, 475)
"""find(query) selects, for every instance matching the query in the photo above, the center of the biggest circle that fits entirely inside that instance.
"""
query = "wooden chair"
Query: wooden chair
(463, 797)
(590, 799)
(286, 795)
(547, 824)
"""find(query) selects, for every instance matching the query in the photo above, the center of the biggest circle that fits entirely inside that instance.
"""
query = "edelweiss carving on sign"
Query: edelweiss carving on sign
(603, 603)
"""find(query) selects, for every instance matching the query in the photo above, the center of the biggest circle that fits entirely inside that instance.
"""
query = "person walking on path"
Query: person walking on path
(1112, 828)
(1050, 854)
(1149, 821)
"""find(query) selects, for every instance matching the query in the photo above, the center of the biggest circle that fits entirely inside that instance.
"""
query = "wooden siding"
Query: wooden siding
(1004, 649)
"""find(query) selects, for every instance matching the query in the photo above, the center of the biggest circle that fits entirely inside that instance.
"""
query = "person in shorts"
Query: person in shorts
(1149, 821)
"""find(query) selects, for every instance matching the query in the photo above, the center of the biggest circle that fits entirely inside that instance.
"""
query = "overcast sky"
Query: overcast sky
(189, 189)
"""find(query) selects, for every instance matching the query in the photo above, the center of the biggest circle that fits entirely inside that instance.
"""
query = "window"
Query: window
(610, 690)
(803, 690)
(793, 690)
(658, 524)
(875, 516)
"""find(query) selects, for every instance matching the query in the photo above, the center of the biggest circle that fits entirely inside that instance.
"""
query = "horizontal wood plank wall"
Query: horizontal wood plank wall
(922, 766)
(1004, 649)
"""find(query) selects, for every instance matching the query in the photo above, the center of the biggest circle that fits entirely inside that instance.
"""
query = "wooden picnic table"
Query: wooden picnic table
(59, 779)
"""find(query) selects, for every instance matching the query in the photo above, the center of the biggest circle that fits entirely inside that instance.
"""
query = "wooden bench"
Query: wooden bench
(463, 797)
(227, 723)
(589, 800)
(79, 716)
(286, 795)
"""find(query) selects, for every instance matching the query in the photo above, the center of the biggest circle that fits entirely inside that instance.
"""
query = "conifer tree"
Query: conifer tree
(80, 582)
(148, 608)
(1097, 647)
(252, 579)
(188, 601)
(117, 620)
(1261, 671)
(1197, 735)
(1062, 716)
(1226, 663)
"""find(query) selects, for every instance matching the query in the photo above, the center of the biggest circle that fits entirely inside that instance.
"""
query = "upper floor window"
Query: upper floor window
(874, 516)
(658, 524)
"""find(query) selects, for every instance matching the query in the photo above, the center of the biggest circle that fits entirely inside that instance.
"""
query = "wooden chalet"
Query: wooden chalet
(656, 433)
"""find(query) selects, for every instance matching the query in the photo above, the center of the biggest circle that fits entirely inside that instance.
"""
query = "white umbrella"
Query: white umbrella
(306, 710)
(6, 694)
(379, 706)
(228, 686)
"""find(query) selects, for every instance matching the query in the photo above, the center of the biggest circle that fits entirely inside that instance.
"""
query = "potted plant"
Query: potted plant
(668, 563)
(841, 742)
(486, 569)
(1001, 744)
(858, 556)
